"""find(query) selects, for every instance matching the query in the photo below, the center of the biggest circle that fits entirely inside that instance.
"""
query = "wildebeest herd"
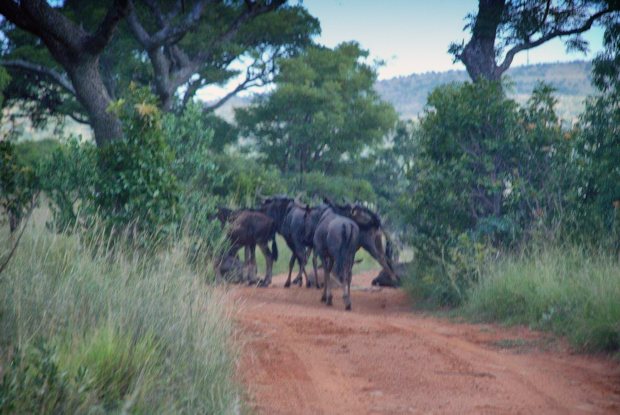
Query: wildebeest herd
(332, 232)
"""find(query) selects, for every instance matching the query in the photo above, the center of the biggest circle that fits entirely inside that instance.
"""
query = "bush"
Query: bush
(135, 184)
(444, 280)
(68, 176)
(569, 290)
(112, 329)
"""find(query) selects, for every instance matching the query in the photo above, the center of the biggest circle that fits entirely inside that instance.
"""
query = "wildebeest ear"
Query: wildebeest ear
(328, 201)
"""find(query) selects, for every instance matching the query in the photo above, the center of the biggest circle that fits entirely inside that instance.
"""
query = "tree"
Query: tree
(196, 48)
(76, 51)
(502, 28)
(322, 114)
(187, 45)
(599, 142)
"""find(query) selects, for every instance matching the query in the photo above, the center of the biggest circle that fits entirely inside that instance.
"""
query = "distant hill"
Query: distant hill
(572, 81)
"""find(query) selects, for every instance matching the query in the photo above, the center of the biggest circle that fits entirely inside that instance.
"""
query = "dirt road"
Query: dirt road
(301, 357)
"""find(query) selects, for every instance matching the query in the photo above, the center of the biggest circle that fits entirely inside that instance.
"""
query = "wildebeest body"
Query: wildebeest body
(336, 240)
(290, 218)
(249, 228)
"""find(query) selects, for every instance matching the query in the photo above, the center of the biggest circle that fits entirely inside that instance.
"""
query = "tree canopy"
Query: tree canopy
(175, 48)
(502, 28)
(323, 112)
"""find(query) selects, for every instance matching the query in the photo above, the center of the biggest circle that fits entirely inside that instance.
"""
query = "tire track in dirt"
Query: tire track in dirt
(301, 357)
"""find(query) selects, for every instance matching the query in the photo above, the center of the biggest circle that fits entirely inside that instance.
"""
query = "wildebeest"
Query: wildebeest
(336, 239)
(290, 218)
(249, 228)
(334, 248)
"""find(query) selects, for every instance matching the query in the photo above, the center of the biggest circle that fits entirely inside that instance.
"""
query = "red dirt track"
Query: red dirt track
(302, 357)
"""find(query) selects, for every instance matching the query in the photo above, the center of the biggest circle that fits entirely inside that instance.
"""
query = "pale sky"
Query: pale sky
(412, 36)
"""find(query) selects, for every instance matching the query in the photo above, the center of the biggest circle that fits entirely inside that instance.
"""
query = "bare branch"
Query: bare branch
(251, 80)
(551, 35)
(58, 78)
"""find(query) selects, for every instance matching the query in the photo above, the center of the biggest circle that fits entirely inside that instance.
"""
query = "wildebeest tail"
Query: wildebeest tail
(343, 254)
(274, 247)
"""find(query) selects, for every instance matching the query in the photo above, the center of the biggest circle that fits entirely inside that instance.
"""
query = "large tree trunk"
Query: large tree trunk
(478, 56)
(77, 51)
(93, 95)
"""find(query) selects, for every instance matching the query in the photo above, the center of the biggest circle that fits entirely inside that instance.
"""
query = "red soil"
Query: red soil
(302, 357)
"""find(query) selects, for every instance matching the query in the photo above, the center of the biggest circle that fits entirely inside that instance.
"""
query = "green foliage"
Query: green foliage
(322, 114)
(598, 144)
(5, 78)
(18, 185)
(68, 177)
(487, 171)
(566, 289)
(32, 383)
(317, 185)
(444, 278)
(135, 184)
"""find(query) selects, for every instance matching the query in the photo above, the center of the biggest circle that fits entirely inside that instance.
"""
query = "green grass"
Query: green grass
(85, 328)
(570, 291)
(284, 255)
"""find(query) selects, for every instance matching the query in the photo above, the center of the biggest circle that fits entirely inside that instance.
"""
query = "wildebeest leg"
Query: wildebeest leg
(291, 264)
(346, 296)
(250, 258)
(327, 268)
(300, 260)
(269, 265)
(316, 274)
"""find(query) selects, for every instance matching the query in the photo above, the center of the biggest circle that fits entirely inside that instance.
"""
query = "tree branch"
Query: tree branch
(249, 82)
(60, 79)
(96, 42)
(551, 35)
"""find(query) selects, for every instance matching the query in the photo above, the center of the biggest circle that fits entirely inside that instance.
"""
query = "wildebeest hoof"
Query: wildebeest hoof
(262, 284)
(348, 307)
(308, 284)
(287, 284)
(329, 301)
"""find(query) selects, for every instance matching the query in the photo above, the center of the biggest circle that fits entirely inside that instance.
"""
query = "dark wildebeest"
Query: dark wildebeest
(369, 233)
(290, 218)
(336, 239)
(248, 228)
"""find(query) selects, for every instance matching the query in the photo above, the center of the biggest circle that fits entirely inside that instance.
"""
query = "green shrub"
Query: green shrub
(68, 176)
(18, 185)
(135, 184)
(444, 280)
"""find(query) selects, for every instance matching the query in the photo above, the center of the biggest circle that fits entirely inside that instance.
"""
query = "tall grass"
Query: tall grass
(87, 327)
(569, 290)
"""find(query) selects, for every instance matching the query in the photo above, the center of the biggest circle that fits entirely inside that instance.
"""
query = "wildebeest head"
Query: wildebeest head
(371, 232)
(276, 208)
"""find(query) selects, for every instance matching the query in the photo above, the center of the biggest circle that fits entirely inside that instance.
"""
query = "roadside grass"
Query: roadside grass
(569, 290)
(87, 326)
